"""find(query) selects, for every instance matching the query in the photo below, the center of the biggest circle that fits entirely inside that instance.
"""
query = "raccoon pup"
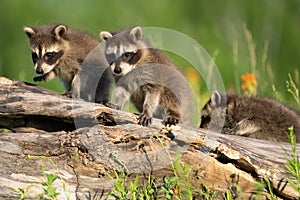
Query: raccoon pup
(254, 117)
(147, 77)
(58, 51)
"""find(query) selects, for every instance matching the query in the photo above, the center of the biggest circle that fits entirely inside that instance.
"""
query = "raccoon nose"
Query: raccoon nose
(117, 70)
(39, 71)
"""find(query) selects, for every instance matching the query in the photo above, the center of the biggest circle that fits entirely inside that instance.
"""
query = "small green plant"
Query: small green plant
(270, 188)
(293, 164)
(206, 193)
(48, 190)
(4, 130)
(228, 195)
(120, 190)
(124, 189)
(170, 187)
(21, 192)
(174, 180)
(292, 167)
(149, 189)
(186, 171)
(292, 89)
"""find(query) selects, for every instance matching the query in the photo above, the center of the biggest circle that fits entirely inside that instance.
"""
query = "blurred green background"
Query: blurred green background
(219, 26)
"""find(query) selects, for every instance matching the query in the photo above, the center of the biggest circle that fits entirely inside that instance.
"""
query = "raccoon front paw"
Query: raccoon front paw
(68, 94)
(170, 121)
(144, 120)
(38, 78)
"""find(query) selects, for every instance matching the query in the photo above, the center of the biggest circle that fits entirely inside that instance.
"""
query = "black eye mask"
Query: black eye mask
(34, 57)
(51, 57)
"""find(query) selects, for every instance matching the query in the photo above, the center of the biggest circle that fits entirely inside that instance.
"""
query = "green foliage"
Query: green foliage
(270, 188)
(47, 188)
(21, 192)
(292, 89)
(206, 193)
(293, 164)
(124, 189)
(170, 183)
(227, 195)
(119, 191)
(187, 184)
(149, 188)
(4, 130)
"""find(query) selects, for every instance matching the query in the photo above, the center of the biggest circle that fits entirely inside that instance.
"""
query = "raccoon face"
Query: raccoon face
(213, 113)
(47, 45)
(123, 50)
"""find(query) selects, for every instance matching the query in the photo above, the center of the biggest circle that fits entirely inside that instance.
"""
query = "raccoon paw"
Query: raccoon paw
(38, 78)
(144, 119)
(170, 121)
(67, 94)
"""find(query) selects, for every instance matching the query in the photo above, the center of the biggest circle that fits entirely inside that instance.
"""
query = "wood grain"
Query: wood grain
(83, 142)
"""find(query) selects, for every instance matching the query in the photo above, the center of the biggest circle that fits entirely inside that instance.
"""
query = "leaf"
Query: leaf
(51, 192)
(118, 187)
(168, 196)
(293, 185)
(136, 181)
(51, 178)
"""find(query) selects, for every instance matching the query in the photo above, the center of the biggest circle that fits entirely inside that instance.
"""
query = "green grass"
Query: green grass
(293, 164)
(292, 89)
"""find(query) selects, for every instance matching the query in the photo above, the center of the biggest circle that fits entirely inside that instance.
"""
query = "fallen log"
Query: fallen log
(83, 142)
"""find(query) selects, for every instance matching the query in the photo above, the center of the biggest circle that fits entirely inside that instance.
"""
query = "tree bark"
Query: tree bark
(83, 142)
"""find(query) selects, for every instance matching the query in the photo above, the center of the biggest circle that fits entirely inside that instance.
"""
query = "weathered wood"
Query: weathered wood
(87, 141)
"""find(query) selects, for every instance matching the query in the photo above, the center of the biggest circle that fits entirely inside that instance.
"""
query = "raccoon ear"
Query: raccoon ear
(29, 32)
(60, 31)
(216, 98)
(104, 35)
(136, 33)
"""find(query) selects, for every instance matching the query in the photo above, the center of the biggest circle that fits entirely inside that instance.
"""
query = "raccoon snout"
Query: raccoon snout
(39, 70)
(117, 70)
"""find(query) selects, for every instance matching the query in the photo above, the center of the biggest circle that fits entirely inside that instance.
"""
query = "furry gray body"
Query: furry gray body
(148, 78)
(77, 58)
(255, 117)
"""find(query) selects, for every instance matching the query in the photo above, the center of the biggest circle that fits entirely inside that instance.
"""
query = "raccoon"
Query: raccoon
(147, 77)
(254, 117)
(73, 56)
